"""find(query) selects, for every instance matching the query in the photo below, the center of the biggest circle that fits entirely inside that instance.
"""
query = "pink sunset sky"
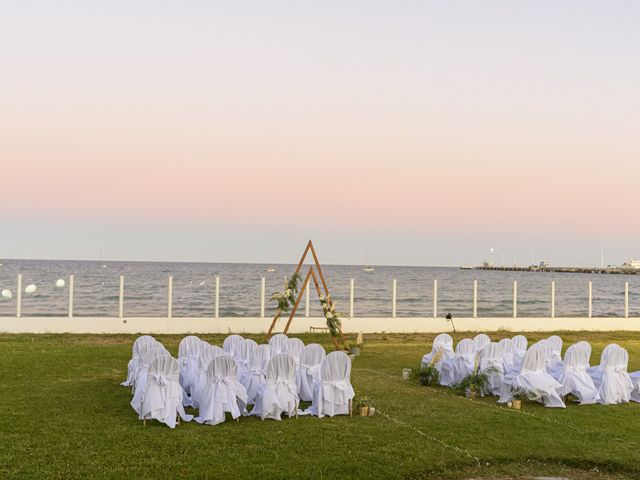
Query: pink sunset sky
(415, 132)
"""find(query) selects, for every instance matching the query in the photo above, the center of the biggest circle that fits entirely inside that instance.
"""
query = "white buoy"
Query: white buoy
(30, 288)
(60, 283)
(7, 293)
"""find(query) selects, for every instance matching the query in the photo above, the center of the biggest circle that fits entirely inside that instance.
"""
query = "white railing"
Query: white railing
(393, 306)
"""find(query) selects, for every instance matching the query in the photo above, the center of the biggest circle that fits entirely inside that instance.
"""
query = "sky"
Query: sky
(399, 133)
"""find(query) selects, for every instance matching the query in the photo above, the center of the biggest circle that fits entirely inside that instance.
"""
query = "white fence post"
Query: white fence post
(553, 298)
(475, 299)
(626, 299)
(70, 296)
(394, 287)
(217, 305)
(590, 299)
(515, 299)
(351, 295)
(19, 297)
(263, 288)
(435, 298)
(170, 298)
(306, 308)
(121, 298)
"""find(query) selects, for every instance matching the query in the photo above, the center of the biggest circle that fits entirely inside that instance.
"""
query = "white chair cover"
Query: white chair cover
(208, 353)
(520, 345)
(491, 360)
(162, 398)
(333, 392)
(278, 395)
(481, 340)
(294, 348)
(231, 342)
(574, 377)
(554, 356)
(188, 351)
(278, 343)
(508, 354)
(242, 357)
(463, 362)
(616, 386)
(132, 367)
(534, 379)
(443, 342)
(222, 392)
(141, 375)
(255, 376)
(309, 370)
(635, 380)
(596, 372)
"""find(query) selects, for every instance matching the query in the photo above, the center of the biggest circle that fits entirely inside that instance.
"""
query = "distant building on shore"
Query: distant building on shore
(632, 264)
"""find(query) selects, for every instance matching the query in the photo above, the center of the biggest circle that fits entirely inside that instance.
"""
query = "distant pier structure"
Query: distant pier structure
(546, 268)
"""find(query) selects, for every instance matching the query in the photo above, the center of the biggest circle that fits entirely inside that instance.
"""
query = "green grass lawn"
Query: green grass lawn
(64, 415)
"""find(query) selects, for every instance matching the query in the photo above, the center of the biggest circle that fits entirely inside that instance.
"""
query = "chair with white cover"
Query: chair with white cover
(162, 398)
(230, 343)
(616, 386)
(520, 345)
(596, 371)
(141, 375)
(491, 362)
(188, 351)
(447, 365)
(136, 349)
(278, 394)
(635, 380)
(255, 376)
(442, 343)
(278, 343)
(508, 354)
(481, 340)
(574, 377)
(333, 393)
(554, 356)
(222, 392)
(294, 348)
(242, 357)
(207, 354)
(534, 379)
(309, 370)
(463, 361)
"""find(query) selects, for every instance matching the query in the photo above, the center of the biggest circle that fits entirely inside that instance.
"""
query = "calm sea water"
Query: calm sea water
(96, 290)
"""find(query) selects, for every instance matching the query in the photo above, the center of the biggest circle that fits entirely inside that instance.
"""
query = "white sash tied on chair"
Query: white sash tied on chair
(335, 391)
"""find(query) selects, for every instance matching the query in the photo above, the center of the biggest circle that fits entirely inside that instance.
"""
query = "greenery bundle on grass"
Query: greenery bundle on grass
(428, 374)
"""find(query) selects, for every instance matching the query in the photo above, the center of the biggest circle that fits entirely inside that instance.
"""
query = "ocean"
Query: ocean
(96, 287)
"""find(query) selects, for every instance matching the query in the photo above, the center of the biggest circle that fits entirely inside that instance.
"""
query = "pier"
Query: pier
(600, 270)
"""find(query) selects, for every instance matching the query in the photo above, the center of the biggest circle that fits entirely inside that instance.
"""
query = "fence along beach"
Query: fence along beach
(386, 299)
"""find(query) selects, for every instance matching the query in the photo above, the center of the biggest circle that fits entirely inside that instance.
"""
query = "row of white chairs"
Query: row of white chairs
(273, 378)
(539, 370)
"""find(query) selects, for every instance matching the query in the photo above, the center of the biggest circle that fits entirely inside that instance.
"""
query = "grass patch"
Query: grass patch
(65, 416)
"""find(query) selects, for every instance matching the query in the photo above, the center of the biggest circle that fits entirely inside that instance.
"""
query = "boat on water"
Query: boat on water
(466, 267)
(366, 267)
(631, 264)
(271, 269)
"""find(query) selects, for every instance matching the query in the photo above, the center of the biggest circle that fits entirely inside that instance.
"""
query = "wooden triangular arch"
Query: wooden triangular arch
(312, 274)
